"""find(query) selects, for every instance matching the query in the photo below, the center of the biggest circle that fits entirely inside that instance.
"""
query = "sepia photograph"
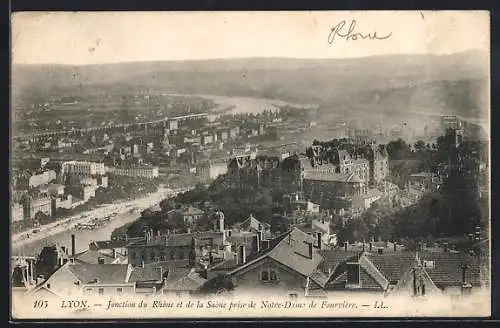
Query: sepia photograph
(327, 164)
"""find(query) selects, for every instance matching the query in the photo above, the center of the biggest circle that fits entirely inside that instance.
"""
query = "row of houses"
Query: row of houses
(299, 262)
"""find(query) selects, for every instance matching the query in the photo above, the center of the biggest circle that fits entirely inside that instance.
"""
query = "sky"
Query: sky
(109, 37)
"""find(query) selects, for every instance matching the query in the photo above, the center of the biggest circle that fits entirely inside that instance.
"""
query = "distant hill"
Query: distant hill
(300, 80)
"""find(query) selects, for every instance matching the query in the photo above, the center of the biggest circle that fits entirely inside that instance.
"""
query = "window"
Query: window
(88, 289)
(172, 255)
(101, 291)
(269, 275)
(119, 290)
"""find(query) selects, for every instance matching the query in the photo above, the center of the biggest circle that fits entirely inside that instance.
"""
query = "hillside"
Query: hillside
(300, 80)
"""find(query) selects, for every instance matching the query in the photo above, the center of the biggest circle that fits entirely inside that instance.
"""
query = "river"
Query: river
(82, 238)
(241, 105)
(62, 235)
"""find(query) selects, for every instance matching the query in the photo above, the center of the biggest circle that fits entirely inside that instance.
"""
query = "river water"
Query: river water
(244, 104)
(82, 238)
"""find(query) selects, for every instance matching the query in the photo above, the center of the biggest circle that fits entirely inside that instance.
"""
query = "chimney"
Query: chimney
(345, 246)
(210, 257)
(371, 246)
(464, 274)
(236, 258)
(265, 244)
(242, 255)
(73, 251)
(363, 247)
(114, 253)
(466, 288)
(318, 235)
(310, 254)
(414, 281)
(188, 230)
(142, 264)
(159, 233)
(100, 260)
(446, 248)
(256, 243)
(204, 273)
(380, 251)
(395, 246)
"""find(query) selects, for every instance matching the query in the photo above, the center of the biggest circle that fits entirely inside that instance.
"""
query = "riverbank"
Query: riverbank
(102, 211)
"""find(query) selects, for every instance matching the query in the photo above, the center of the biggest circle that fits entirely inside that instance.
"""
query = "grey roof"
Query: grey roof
(337, 177)
(105, 273)
(150, 272)
(187, 281)
(447, 270)
(92, 257)
(107, 244)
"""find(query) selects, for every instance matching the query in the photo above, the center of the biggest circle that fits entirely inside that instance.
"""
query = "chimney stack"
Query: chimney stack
(256, 244)
(114, 253)
(446, 248)
(345, 246)
(242, 255)
(210, 257)
(395, 246)
(371, 246)
(310, 254)
(236, 257)
(73, 251)
(318, 236)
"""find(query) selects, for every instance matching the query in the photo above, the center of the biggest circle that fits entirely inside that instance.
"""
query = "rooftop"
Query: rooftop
(104, 273)
(334, 177)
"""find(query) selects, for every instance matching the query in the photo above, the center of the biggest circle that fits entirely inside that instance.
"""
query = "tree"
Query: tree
(419, 146)
(219, 284)
(398, 149)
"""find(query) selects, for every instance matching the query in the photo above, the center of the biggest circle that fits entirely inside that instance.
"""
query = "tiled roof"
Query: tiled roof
(252, 223)
(293, 252)
(263, 251)
(393, 265)
(191, 281)
(105, 273)
(150, 272)
(319, 277)
(92, 257)
(107, 244)
(367, 281)
(447, 270)
(333, 258)
(326, 176)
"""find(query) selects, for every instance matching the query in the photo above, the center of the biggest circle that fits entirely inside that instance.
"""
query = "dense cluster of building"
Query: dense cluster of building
(348, 177)
(46, 184)
(301, 261)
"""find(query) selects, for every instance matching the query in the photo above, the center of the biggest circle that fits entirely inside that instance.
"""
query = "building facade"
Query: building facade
(148, 172)
(33, 205)
(85, 168)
